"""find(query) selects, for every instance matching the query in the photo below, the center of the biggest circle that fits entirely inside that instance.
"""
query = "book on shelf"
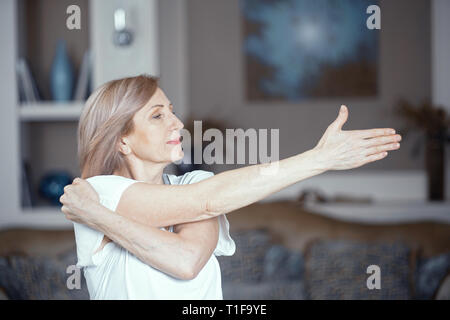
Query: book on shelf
(82, 87)
(28, 198)
(28, 91)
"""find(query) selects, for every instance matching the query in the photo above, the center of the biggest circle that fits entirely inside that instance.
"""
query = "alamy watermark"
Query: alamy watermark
(73, 21)
(374, 20)
(74, 280)
(374, 280)
(234, 143)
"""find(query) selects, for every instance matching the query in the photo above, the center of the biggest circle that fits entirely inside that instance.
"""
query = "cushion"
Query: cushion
(270, 290)
(39, 278)
(282, 264)
(430, 273)
(261, 270)
(247, 263)
(338, 270)
(443, 292)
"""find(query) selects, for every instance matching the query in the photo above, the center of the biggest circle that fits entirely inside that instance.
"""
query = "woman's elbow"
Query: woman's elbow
(188, 269)
(193, 264)
(187, 272)
(190, 274)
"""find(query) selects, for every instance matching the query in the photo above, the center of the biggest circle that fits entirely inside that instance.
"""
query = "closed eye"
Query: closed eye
(158, 116)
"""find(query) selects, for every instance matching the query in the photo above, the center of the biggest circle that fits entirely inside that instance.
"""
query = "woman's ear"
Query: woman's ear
(124, 146)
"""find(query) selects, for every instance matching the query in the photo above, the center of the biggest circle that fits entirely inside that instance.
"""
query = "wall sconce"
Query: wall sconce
(122, 36)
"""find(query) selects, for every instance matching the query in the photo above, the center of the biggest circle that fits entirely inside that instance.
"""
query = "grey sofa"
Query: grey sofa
(264, 269)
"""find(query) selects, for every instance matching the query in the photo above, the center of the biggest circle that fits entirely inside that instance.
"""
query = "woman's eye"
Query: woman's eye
(157, 116)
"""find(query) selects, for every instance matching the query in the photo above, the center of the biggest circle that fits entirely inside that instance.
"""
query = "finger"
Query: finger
(382, 148)
(375, 157)
(76, 180)
(381, 140)
(67, 212)
(371, 133)
(341, 119)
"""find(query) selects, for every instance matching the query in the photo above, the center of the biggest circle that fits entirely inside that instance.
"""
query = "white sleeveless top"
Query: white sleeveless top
(115, 273)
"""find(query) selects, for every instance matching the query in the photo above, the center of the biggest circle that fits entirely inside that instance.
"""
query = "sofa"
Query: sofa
(282, 253)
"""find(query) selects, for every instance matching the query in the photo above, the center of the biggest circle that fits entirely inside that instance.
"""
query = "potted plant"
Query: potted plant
(434, 122)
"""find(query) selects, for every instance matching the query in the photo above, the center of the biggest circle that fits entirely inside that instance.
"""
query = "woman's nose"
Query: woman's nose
(177, 124)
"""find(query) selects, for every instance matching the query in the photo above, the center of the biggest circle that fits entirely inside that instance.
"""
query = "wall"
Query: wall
(45, 23)
(216, 80)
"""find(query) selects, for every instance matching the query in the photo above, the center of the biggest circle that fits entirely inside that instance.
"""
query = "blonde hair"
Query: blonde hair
(106, 117)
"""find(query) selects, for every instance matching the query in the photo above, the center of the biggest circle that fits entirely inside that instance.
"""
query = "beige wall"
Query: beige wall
(216, 79)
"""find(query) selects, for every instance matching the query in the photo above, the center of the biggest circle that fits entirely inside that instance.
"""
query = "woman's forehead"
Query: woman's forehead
(158, 98)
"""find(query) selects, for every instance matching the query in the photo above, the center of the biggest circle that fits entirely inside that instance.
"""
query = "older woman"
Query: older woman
(144, 234)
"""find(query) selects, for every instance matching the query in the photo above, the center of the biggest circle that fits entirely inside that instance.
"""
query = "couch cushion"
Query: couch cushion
(39, 278)
(247, 263)
(261, 270)
(338, 270)
(269, 290)
(430, 273)
(443, 292)
(282, 264)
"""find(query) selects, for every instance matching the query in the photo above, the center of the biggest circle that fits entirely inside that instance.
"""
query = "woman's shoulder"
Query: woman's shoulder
(189, 177)
(108, 177)
(110, 186)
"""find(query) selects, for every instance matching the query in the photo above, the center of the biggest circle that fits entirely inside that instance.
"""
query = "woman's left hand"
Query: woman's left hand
(347, 149)
(77, 199)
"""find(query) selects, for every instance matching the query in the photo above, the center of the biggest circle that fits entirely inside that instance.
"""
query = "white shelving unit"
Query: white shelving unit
(387, 212)
(25, 129)
(44, 133)
(47, 111)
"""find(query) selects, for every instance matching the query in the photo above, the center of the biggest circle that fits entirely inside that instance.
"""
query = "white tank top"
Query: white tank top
(115, 273)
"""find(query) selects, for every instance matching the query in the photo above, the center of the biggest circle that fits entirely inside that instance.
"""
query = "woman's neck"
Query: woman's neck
(148, 173)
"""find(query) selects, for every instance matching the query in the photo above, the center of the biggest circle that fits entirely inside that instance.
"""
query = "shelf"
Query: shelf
(37, 218)
(51, 111)
(385, 212)
(46, 210)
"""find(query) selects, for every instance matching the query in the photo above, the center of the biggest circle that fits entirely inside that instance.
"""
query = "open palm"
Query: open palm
(342, 150)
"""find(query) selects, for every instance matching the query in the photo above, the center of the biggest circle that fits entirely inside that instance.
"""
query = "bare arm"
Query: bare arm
(220, 194)
(234, 189)
(166, 205)
(181, 254)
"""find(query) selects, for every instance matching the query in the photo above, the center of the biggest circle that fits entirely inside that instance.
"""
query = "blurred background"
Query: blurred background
(286, 65)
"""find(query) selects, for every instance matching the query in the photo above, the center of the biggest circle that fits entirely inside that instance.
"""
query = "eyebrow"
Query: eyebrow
(157, 106)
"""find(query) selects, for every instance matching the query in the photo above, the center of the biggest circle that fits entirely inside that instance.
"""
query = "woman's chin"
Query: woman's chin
(176, 154)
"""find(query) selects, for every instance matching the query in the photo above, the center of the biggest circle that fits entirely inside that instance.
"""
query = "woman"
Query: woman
(143, 234)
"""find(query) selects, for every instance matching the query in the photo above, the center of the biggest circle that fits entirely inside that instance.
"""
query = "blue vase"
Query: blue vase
(61, 75)
(51, 186)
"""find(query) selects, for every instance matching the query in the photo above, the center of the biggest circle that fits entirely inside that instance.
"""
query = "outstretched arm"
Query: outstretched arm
(143, 205)
(165, 205)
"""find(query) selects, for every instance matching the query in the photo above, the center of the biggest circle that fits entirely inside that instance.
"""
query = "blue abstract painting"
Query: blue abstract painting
(303, 49)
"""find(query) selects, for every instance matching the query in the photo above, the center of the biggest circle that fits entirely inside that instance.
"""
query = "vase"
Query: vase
(51, 185)
(61, 75)
(435, 165)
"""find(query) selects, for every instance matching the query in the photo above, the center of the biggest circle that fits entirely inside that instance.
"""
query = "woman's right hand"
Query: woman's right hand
(77, 201)
(342, 150)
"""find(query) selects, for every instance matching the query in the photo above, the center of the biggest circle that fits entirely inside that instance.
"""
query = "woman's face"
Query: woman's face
(156, 135)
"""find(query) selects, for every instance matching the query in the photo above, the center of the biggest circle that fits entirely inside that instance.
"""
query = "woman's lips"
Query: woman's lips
(174, 141)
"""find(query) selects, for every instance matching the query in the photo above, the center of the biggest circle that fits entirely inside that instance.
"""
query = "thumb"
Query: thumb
(342, 117)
